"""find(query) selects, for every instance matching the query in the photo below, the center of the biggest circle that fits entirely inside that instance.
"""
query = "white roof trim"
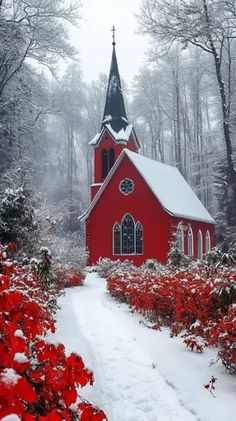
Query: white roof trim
(85, 215)
(146, 168)
(96, 140)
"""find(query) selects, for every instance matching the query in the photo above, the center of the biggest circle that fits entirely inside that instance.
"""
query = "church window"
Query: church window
(180, 238)
(139, 238)
(199, 245)
(128, 234)
(126, 186)
(111, 158)
(208, 242)
(108, 160)
(116, 238)
(105, 168)
(190, 242)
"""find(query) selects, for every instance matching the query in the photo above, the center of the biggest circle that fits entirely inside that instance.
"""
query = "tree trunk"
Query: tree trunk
(176, 95)
(231, 176)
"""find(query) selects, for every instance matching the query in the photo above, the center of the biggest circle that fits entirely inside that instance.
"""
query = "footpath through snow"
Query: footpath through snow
(140, 374)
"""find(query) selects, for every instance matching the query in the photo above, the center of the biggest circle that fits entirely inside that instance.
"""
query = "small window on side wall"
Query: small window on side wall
(180, 238)
(190, 242)
(207, 242)
(199, 245)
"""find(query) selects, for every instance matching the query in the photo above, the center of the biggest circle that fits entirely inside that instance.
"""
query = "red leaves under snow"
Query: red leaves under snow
(69, 277)
(37, 380)
(89, 413)
(201, 302)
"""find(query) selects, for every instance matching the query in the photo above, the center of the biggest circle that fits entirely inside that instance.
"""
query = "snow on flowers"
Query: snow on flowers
(38, 381)
(198, 302)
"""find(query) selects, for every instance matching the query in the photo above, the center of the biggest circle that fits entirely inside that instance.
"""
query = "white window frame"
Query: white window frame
(190, 245)
(113, 239)
(180, 237)
(207, 242)
(199, 245)
(135, 238)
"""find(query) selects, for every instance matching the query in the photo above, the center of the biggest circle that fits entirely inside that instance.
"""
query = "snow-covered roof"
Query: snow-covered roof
(170, 188)
(122, 136)
(95, 139)
(167, 184)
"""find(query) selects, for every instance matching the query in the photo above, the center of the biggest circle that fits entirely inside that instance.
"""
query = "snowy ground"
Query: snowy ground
(140, 374)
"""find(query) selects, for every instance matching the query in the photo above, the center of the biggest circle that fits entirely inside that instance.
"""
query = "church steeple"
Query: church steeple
(116, 133)
(114, 111)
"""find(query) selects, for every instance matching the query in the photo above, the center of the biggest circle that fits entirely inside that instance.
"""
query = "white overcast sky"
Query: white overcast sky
(94, 38)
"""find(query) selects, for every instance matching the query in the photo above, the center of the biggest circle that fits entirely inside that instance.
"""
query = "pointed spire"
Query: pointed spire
(114, 112)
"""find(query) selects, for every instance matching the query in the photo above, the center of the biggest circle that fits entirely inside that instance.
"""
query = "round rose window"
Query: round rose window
(126, 186)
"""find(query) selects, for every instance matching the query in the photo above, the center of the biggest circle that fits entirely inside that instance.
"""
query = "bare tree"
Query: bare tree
(210, 26)
(36, 31)
(148, 112)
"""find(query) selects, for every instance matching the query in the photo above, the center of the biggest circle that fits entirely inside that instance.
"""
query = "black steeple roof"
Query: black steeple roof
(114, 112)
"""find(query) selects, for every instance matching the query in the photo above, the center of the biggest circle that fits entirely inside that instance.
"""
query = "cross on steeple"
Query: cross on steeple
(113, 35)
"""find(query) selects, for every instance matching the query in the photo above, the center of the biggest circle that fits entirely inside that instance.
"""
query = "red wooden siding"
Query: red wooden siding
(196, 226)
(107, 142)
(158, 225)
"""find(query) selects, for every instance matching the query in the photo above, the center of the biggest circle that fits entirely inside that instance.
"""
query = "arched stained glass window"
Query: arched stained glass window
(105, 168)
(199, 245)
(139, 238)
(128, 233)
(180, 238)
(127, 236)
(190, 242)
(117, 238)
(207, 242)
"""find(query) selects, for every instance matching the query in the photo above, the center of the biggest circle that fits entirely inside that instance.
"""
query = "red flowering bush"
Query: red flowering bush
(71, 277)
(199, 303)
(37, 380)
(223, 333)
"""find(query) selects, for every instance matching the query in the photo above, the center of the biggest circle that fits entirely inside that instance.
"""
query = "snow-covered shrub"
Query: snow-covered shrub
(44, 267)
(67, 248)
(216, 257)
(17, 219)
(176, 258)
(198, 302)
(106, 267)
(153, 264)
(37, 379)
(103, 267)
(225, 332)
(226, 291)
(69, 277)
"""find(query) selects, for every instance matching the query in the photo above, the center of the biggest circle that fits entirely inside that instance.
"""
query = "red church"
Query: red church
(138, 205)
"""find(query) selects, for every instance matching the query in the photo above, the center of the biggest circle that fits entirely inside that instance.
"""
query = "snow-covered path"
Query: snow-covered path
(140, 374)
